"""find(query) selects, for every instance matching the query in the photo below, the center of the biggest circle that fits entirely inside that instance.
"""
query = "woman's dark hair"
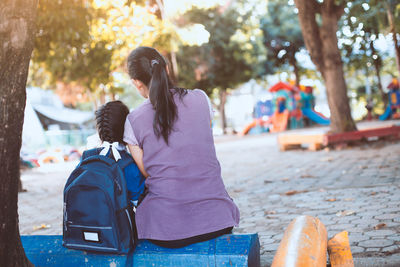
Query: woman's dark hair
(110, 120)
(149, 66)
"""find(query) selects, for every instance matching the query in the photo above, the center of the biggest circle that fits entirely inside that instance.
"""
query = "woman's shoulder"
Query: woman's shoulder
(194, 93)
(142, 108)
(198, 93)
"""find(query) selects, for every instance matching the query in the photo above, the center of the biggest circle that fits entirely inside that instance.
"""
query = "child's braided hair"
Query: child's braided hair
(110, 120)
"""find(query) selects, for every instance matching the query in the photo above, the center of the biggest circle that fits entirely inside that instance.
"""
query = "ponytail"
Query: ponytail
(162, 100)
(148, 66)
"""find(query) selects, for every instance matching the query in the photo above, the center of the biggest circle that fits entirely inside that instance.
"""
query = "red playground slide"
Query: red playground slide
(280, 121)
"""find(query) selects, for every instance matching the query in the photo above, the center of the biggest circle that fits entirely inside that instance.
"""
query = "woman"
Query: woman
(170, 138)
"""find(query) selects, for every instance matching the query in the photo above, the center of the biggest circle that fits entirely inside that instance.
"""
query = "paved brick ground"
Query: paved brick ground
(354, 189)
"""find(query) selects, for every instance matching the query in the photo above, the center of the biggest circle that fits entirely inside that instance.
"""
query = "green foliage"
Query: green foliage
(359, 31)
(84, 42)
(63, 34)
(65, 47)
(361, 26)
(282, 35)
(228, 59)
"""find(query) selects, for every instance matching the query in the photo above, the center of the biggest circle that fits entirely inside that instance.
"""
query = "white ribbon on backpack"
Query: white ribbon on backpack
(114, 148)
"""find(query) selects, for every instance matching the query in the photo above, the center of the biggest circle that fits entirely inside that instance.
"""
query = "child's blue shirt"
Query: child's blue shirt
(134, 181)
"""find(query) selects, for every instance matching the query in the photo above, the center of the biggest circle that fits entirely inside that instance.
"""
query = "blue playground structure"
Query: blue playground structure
(292, 107)
(392, 110)
(315, 116)
(263, 108)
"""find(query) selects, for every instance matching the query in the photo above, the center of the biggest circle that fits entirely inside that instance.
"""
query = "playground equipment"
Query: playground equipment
(339, 250)
(291, 107)
(305, 243)
(262, 118)
(393, 108)
(285, 112)
(306, 104)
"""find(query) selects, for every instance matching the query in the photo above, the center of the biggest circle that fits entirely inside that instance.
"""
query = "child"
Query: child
(110, 120)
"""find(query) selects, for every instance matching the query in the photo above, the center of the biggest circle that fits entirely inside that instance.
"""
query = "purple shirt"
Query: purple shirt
(187, 196)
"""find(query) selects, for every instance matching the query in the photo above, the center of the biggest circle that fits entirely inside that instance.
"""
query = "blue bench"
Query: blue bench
(227, 250)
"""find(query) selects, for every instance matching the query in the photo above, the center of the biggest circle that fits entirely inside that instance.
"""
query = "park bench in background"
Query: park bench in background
(317, 141)
(289, 141)
(227, 250)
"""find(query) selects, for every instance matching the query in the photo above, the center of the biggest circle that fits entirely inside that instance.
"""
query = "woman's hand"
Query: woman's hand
(137, 154)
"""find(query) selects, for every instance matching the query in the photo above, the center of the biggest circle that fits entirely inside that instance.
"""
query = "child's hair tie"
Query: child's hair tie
(153, 62)
(114, 148)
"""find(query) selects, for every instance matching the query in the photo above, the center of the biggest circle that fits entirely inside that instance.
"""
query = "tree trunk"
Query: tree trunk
(394, 33)
(222, 98)
(378, 65)
(17, 20)
(171, 55)
(321, 43)
(102, 96)
(172, 66)
(380, 88)
(293, 62)
(20, 187)
(338, 101)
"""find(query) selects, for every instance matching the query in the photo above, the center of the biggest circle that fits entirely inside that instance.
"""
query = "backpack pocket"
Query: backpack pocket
(89, 219)
(91, 238)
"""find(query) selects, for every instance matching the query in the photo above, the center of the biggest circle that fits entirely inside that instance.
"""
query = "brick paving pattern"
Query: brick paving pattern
(355, 189)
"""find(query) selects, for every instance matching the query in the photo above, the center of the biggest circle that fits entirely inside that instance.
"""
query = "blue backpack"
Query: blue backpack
(98, 215)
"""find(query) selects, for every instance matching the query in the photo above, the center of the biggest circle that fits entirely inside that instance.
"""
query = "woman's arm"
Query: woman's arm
(137, 154)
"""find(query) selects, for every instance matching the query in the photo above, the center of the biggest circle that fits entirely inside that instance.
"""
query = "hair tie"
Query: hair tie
(153, 62)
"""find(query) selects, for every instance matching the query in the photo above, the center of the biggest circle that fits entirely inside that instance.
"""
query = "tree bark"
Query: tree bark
(341, 120)
(174, 71)
(293, 62)
(321, 42)
(380, 88)
(394, 33)
(172, 66)
(175, 68)
(378, 65)
(102, 96)
(20, 187)
(222, 97)
(17, 23)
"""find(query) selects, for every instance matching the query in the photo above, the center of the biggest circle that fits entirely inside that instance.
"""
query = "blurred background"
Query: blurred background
(249, 56)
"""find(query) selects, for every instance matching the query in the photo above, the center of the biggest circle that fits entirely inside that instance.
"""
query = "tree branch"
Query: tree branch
(329, 3)
(310, 29)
